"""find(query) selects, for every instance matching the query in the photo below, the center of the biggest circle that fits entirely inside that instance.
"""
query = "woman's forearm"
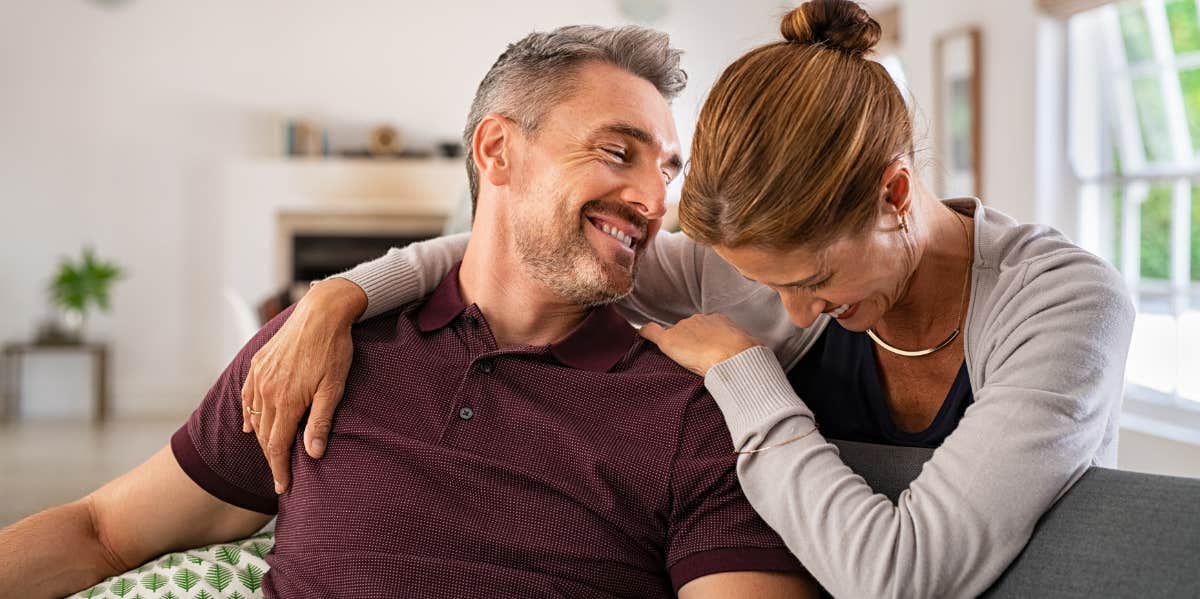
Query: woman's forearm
(405, 275)
(676, 279)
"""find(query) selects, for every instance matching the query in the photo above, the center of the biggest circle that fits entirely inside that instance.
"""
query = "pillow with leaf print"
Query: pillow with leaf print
(223, 571)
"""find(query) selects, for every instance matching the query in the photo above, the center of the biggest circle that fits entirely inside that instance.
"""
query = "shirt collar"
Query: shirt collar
(597, 344)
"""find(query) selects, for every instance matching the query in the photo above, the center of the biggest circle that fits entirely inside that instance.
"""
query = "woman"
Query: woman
(913, 321)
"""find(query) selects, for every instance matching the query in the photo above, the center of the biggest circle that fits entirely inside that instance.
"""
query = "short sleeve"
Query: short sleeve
(713, 528)
(212, 449)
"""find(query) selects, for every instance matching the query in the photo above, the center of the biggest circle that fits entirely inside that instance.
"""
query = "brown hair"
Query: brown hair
(794, 137)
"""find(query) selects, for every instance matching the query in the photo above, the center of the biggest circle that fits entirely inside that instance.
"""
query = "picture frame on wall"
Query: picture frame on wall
(958, 113)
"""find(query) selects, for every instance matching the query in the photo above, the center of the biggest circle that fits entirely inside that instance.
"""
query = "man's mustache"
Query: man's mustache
(620, 210)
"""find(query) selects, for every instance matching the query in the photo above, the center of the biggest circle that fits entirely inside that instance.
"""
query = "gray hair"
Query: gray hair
(537, 72)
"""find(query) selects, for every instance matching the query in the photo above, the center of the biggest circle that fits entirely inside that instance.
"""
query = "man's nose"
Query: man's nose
(647, 193)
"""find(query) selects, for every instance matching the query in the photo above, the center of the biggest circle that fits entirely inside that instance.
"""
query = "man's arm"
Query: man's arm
(756, 585)
(151, 510)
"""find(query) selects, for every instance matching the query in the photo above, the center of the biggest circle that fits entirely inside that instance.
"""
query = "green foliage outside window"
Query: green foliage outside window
(1156, 233)
(1185, 27)
(1135, 32)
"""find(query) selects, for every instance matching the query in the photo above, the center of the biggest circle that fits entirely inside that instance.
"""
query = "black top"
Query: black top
(838, 379)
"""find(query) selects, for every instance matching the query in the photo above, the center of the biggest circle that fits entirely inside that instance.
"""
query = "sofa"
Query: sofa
(1114, 534)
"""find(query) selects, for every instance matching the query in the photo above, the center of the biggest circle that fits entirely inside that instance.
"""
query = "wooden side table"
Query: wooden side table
(23, 375)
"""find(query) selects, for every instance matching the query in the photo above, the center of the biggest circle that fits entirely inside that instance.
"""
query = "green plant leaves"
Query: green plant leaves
(123, 586)
(219, 576)
(154, 581)
(259, 548)
(78, 285)
(251, 577)
(186, 579)
(229, 554)
(95, 591)
(203, 594)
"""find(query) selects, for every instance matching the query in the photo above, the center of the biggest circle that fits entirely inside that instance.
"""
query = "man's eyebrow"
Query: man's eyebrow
(675, 162)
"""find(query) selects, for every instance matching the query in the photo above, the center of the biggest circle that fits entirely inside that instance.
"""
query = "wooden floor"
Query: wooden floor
(43, 465)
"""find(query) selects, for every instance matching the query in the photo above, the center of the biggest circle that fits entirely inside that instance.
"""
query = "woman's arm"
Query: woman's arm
(677, 278)
(1049, 386)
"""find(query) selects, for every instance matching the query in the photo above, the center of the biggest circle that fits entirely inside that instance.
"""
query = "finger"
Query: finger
(263, 421)
(247, 400)
(652, 331)
(320, 420)
(279, 447)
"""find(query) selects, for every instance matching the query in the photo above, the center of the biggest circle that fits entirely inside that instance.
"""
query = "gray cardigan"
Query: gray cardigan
(1046, 339)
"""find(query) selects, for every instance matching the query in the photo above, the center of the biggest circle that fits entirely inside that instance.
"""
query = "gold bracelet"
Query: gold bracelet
(792, 440)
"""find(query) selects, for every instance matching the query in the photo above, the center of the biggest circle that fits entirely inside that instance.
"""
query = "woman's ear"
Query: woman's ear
(896, 185)
(490, 148)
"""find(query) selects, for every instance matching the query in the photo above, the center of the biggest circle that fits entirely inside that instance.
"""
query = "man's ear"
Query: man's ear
(896, 186)
(491, 147)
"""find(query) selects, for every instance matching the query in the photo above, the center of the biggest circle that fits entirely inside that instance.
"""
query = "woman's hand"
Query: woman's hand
(700, 342)
(304, 364)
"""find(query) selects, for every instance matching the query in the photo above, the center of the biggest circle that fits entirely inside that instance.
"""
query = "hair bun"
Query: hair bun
(838, 24)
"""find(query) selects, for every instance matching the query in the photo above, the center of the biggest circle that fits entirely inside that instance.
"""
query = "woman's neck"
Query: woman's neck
(934, 302)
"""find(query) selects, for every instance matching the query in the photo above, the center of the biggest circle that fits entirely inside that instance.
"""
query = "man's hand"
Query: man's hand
(304, 364)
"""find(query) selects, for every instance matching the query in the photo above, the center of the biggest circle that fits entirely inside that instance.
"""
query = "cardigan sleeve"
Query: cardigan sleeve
(676, 278)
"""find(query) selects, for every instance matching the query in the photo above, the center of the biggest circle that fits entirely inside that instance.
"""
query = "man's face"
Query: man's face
(590, 185)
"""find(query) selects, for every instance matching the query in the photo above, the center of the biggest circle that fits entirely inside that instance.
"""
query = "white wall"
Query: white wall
(116, 123)
(1009, 52)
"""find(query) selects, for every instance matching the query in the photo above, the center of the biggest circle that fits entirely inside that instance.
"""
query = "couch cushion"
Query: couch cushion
(1114, 534)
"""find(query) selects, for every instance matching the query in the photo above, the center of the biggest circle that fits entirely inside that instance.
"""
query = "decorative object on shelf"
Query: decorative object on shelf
(384, 142)
(957, 114)
(450, 149)
(646, 12)
(306, 139)
(77, 288)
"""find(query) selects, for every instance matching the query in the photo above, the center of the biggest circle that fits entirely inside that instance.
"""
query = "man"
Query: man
(511, 436)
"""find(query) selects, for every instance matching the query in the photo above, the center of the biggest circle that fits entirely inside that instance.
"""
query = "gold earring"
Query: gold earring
(904, 222)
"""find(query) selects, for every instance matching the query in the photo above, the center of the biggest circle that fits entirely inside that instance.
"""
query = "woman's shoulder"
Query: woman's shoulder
(1013, 258)
(1032, 280)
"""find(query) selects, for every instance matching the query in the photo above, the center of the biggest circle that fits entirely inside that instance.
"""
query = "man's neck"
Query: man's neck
(519, 310)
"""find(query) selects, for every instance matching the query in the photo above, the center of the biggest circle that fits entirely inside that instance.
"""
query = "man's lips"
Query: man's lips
(635, 232)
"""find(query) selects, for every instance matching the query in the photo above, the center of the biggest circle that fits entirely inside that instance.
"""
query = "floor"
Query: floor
(43, 465)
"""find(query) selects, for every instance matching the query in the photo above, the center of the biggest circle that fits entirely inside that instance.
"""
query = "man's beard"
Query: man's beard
(562, 257)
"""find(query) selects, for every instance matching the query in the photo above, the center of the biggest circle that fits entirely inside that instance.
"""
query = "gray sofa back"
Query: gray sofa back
(1114, 534)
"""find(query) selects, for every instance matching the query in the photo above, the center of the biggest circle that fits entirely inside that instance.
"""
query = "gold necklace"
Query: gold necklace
(957, 330)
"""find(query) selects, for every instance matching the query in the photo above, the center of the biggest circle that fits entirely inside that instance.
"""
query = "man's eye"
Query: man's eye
(618, 153)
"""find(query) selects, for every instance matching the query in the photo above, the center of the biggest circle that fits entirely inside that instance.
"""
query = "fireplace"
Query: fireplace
(316, 244)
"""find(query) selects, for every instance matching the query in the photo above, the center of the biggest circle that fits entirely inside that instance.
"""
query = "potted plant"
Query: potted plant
(78, 287)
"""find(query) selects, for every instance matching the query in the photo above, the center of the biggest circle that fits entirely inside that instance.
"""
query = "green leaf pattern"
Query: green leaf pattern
(223, 571)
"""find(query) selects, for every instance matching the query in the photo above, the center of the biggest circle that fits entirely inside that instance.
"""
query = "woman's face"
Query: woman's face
(856, 279)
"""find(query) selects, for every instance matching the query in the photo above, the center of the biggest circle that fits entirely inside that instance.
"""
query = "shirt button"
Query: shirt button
(486, 366)
(471, 320)
(466, 413)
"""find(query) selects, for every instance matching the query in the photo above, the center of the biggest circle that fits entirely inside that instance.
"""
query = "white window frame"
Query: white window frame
(1091, 178)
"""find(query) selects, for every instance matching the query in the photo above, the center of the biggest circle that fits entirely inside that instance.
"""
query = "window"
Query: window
(1134, 136)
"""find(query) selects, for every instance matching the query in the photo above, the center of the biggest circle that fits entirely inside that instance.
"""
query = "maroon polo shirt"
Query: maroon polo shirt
(592, 467)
